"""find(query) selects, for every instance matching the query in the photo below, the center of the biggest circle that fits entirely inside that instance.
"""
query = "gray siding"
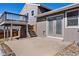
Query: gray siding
(71, 34)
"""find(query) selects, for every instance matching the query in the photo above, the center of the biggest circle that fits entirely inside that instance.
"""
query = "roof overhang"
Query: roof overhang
(59, 10)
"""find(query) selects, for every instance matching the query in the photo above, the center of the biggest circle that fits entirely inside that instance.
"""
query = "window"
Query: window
(27, 15)
(72, 18)
(32, 12)
(51, 22)
(59, 25)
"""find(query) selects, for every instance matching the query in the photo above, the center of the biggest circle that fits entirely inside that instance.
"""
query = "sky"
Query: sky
(17, 7)
(55, 5)
(11, 7)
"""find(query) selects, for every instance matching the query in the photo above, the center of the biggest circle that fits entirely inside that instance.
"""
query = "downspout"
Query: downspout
(27, 27)
(4, 26)
(11, 30)
(4, 32)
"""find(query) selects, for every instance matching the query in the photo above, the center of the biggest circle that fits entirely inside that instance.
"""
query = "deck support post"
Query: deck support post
(4, 32)
(7, 33)
(19, 31)
(26, 19)
(26, 30)
(11, 32)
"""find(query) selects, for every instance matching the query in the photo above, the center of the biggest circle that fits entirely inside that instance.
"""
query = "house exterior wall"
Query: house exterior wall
(69, 34)
(28, 8)
(32, 19)
(41, 29)
(43, 25)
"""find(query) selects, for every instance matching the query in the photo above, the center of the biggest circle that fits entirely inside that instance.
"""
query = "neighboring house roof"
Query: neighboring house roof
(41, 6)
(59, 10)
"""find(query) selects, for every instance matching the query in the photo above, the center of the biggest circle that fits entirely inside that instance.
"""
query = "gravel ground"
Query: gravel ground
(72, 50)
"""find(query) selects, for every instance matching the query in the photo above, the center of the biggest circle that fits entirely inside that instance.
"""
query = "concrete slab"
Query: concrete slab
(37, 46)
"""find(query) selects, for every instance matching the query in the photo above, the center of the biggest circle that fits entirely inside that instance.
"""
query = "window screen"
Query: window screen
(72, 18)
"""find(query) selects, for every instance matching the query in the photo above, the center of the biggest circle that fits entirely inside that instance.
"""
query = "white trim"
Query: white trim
(66, 19)
(61, 38)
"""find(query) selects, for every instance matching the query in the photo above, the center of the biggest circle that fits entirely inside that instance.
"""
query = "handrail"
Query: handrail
(14, 20)
(14, 14)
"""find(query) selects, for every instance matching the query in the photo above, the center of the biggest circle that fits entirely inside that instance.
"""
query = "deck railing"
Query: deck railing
(7, 16)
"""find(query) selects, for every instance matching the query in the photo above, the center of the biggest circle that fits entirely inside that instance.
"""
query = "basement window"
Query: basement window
(72, 18)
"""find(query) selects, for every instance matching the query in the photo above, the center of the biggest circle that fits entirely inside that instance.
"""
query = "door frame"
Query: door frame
(47, 27)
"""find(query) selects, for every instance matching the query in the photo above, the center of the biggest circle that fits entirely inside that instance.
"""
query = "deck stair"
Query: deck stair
(31, 31)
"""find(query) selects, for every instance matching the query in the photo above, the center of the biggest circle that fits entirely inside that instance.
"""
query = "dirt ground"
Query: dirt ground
(38, 46)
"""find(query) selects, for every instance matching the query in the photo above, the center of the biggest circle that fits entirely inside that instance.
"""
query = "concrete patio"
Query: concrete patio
(37, 46)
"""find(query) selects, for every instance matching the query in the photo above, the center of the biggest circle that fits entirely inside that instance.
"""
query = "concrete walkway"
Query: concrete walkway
(37, 46)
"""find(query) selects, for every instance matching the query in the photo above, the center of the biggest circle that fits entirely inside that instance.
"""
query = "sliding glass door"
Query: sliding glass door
(55, 26)
(59, 25)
